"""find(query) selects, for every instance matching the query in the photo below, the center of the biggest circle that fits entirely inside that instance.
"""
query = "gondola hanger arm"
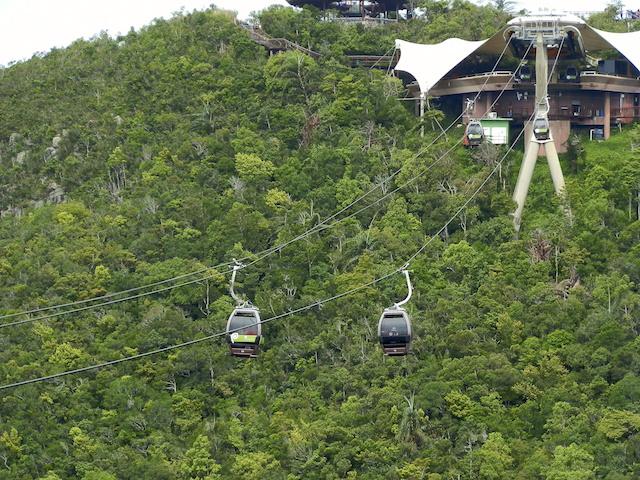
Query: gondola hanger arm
(409, 288)
(239, 301)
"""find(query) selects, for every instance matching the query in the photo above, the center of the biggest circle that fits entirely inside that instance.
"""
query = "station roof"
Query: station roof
(428, 64)
(386, 4)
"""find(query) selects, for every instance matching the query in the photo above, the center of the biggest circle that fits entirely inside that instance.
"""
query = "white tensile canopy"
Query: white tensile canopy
(626, 43)
(428, 64)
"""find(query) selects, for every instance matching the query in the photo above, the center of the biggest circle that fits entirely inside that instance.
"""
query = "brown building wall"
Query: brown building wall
(625, 107)
(586, 108)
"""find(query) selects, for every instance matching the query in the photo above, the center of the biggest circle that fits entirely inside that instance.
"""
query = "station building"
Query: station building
(362, 10)
(594, 87)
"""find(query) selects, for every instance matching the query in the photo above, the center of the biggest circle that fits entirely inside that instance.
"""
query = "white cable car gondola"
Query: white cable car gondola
(541, 129)
(474, 134)
(394, 327)
(244, 331)
(244, 328)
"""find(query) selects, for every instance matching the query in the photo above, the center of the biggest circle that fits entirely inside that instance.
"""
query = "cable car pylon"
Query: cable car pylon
(541, 135)
(394, 327)
(244, 328)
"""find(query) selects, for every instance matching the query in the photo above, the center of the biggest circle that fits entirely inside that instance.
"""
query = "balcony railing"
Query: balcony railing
(584, 114)
(625, 112)
(554, 114)
(493, 81)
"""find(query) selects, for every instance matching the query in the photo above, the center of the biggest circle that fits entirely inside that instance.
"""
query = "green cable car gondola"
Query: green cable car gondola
(474, 134)
(244, 327)
(244, 332)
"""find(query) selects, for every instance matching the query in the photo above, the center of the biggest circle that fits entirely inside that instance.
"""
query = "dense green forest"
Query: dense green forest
(126, 161)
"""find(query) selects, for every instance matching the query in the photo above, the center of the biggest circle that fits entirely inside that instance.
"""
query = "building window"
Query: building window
(576, 109)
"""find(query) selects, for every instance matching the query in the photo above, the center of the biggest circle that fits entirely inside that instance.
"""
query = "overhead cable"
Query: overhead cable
(261, 255)
(318, 303)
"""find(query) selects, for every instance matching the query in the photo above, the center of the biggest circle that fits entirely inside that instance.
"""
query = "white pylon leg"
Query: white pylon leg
(554, 166)
(423, 98)
(524, 180)
(557, 177)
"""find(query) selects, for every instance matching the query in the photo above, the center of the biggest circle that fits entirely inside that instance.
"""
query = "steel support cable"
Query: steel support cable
(268, 320)
(265, 253)
(261, 257)
(268, 251)
(392, 49)
(285, 314)
(113, 294)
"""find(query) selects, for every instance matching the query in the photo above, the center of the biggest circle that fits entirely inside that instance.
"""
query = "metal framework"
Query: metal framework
(535, 145)
(362, 7)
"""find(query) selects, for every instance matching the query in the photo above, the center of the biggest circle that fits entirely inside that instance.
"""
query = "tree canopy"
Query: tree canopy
(127, 161)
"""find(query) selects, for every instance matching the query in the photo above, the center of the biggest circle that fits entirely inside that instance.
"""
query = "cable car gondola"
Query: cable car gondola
(244, 328)
(541, 129)
(244, 331)
(394, 331)
(524, 73)
(571, 74)
(474, 135)
(394, 327)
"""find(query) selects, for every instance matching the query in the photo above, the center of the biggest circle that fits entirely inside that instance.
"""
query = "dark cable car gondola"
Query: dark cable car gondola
(524, 73)
(244, 328)
(571, 74)
(541, 129)
(474, 134)
(394, 327)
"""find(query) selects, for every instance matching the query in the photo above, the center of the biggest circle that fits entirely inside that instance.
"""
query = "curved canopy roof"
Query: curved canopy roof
(625, 43)
(428, 64)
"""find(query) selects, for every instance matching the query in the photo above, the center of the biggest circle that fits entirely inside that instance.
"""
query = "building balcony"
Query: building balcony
(626, 113)
(581, 116)
(490, 82)
(497, 81)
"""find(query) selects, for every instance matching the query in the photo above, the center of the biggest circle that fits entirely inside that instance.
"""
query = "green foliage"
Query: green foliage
(571, 463)
(252, 169)
(494, 458)
(184, 145)
(197, 463)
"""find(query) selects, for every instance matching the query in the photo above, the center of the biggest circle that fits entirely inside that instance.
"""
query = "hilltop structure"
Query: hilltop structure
(584, 78)
(595, 85)
(361, 10)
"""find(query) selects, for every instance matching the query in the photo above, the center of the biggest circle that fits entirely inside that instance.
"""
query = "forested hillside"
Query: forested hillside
(125, 162)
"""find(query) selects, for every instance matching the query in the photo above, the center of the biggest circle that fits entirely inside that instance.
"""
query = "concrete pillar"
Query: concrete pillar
(607, 115)
(423, 98)
(488, 102)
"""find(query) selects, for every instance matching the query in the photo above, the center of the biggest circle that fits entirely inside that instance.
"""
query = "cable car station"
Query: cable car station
(588, 92)
(561, 83)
